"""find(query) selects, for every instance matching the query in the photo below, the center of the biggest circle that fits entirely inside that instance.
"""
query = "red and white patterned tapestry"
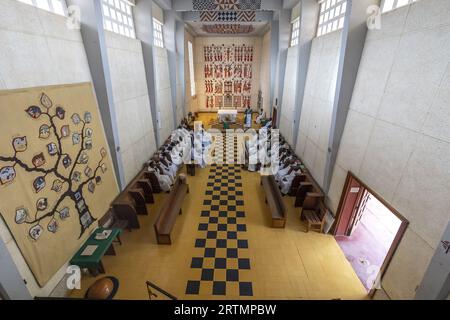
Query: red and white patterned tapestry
(228, 72)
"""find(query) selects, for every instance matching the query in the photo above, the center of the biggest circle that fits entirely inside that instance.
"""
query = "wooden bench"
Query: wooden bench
(308, 194)
(151, 176)
(142, 182)
(169, 211)
(124, 210)
(133, 200)
(296, 183)
(111, 221)
(275, 201)
(315, 219)
(190, 169)
(134, 197)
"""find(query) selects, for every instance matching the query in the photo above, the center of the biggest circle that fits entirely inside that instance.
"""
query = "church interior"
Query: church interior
(225, 149)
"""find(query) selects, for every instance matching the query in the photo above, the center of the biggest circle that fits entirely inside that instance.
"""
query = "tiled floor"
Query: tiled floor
(221, 245)
(271, 263)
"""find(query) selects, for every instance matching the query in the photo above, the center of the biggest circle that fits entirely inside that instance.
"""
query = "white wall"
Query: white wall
(287, 114)
(191, 102)
(397, 136)
(179, 103)
(265, 72)
(132, 104)
(315, 118)
(163, 93)
(37, 49)
(201, 42)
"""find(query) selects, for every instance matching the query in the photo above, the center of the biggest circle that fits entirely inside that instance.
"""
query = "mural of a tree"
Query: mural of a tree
(68, 177)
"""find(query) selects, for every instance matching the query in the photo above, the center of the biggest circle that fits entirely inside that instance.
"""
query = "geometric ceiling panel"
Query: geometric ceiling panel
(226, 5)
(228, 28)
(227, 16)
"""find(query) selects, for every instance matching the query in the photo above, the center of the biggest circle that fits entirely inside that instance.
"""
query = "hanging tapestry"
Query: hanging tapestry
(228, 72)
(56, 175)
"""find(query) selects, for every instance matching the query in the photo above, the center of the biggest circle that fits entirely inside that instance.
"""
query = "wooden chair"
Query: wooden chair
(315, 219)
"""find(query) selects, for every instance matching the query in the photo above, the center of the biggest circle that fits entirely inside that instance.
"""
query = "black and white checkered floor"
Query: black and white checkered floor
(221, 243)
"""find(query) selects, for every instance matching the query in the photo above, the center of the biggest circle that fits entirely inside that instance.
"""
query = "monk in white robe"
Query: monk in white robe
(286, 182)
(164, 181)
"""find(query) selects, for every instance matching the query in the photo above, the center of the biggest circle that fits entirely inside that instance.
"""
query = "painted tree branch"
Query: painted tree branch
(76, 196)
(27, 168)
(79, 152)
(81, 186)
(53, 211)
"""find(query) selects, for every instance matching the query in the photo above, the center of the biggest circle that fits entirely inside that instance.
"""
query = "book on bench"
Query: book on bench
(89, 250)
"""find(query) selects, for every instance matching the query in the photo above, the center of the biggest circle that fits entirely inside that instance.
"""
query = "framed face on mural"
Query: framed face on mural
(7, 175)
(52, 148)
(39, 184)
(20, 144)
(44, 131)
(38, 160)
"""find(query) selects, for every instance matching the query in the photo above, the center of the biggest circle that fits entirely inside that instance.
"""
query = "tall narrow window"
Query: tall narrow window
(389, 5)
(332, 16)
(295, 32)
(191, 68)
(158, 38)
(118, 17)
(55, 6)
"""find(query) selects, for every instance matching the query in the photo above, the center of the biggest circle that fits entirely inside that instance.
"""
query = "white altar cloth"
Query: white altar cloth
(224, 113)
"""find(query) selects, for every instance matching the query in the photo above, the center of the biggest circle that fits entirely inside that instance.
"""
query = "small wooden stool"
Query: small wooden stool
(315, 223)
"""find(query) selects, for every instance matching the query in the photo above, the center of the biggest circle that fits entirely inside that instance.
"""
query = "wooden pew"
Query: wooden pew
(190, 169)
(126, 208)
(275, 201)
(169, 211)
(309, 194)
(133, 197)
(111, 221)
(123, 210)
(143, 183)
(296, 183)
(151, 176)
(133, 200)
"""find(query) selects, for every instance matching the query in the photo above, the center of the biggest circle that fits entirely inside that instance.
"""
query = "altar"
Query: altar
(229, 115)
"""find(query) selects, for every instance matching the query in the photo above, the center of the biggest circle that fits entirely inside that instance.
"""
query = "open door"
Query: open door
(360, 209)
(368, 230)
(353, 192)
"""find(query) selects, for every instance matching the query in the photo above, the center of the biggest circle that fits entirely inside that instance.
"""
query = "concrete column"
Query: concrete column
(436, 281)
(180, 66)
(274, 44)
(309, 17)
(284, 34)
(93, 36)
(353, 40)
(170, 19)
(143, 22)
(12, 286)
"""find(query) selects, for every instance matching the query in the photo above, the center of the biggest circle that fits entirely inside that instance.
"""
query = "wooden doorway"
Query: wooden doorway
(368, 231)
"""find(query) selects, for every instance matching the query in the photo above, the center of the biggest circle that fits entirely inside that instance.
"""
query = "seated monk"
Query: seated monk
(164, 180)
(286, 182)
